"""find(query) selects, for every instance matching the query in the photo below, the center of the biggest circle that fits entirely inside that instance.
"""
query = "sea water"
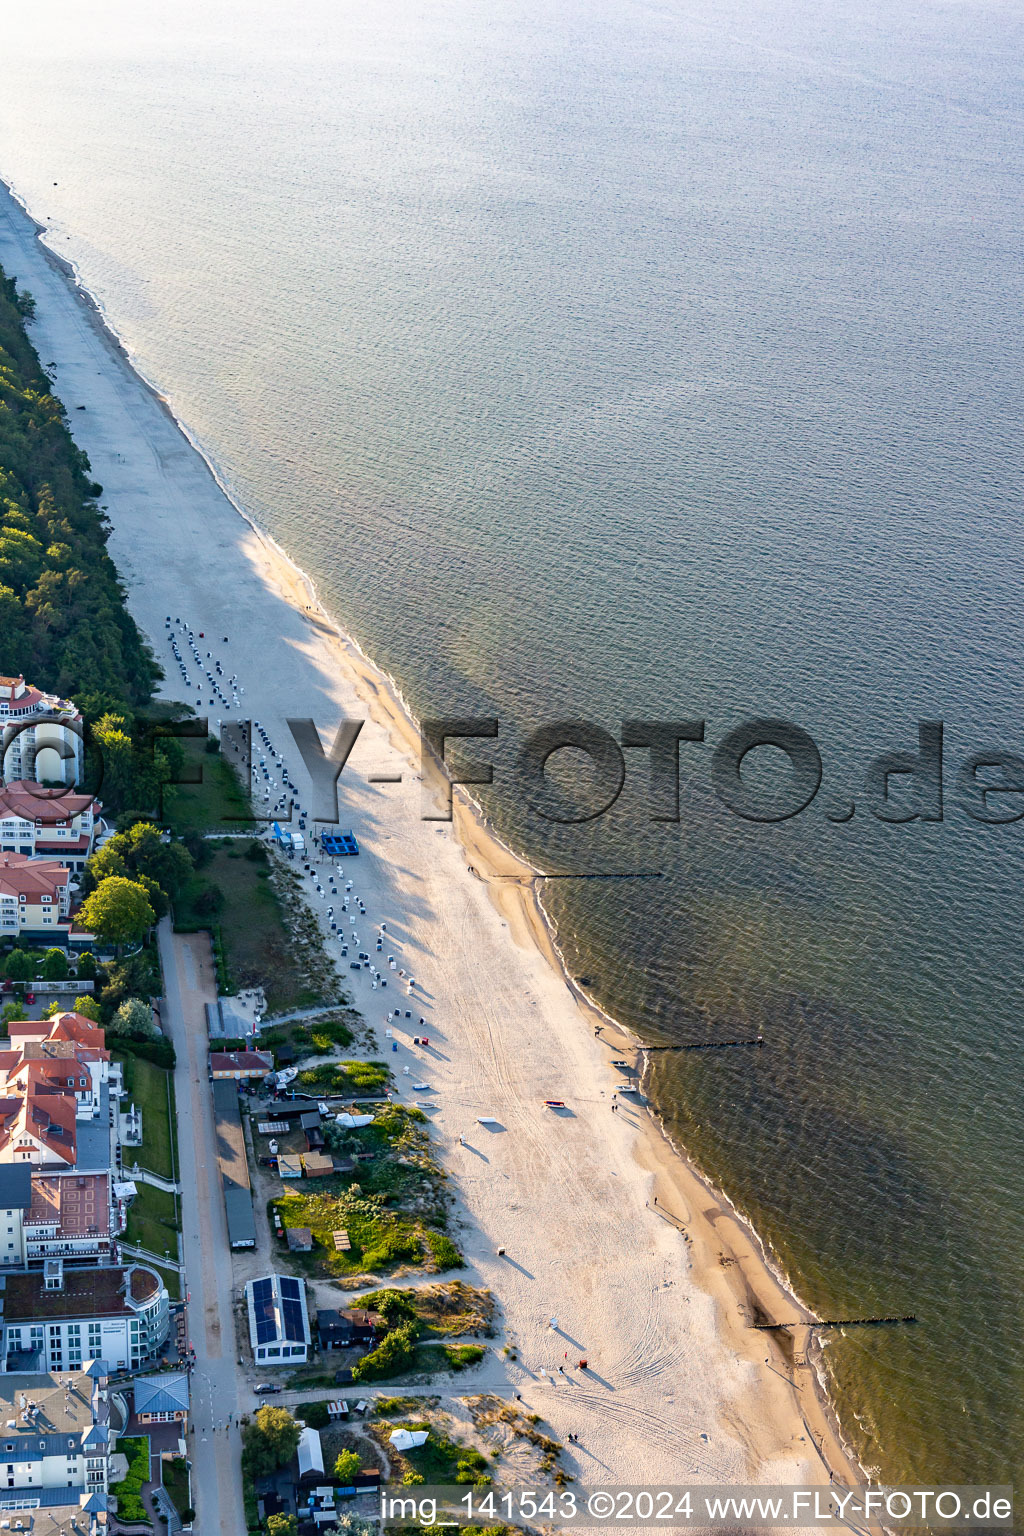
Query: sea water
(655, 361)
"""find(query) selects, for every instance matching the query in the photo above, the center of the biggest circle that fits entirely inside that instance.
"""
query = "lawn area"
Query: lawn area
(441, 1459)
(175, 1474)
(218, 801)
(381, 1239)
(151, 1221)
(350, 1077)
(149, 1086)
(171, 1279)
(257, 946)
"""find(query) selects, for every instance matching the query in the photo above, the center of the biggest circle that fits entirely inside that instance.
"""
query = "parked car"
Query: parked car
(263, 1387)
(30, 997)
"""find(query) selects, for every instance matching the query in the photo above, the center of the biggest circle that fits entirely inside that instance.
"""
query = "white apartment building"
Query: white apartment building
(61, 1318)
(40, 735)
(54, 1443)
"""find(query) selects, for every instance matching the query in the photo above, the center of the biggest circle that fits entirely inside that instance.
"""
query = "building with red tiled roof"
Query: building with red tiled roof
(66, 1054)
(241, 1064)
(35, 898)
(38, 1126)
(42, 822)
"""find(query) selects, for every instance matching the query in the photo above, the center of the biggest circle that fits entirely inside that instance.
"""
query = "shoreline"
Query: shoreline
(726, 1256)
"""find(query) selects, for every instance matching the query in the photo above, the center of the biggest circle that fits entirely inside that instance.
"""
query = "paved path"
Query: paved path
(143, 1176)
(160, 1259)
(215, 1452)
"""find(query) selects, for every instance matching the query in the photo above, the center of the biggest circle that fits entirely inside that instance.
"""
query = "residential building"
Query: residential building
(69, 1218)
(240, 1064)
(37, 1124)
(55, 1444)
(162, 1399)
(35, 899)
(71, 1041)
(40, 735)
(58, 1319)
(55, 1084)
(346, 1328)
(46, 823)
(15, 1203)
(278, 1322)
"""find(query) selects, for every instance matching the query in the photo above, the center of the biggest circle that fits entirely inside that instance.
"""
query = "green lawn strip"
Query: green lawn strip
(257, 945)
(217, 803)
(461, 1356)
(175, 1476)
(152, 1221)
(171, 1279)
(148, 1087)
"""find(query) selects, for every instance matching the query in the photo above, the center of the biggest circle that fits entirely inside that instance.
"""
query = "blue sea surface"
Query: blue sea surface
(649, 360)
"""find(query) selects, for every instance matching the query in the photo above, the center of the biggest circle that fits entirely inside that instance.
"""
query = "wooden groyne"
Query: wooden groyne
(838, 1322)
(706, 1045)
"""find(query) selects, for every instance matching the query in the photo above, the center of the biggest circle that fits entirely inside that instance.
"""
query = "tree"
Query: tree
(88, 1007)
(393, 1354)
(13, 1011)
(210, 900)
(137, 975)
(111, 735)
(281, 1525)
(394, 1305)
(134, 1018)
(118, 911)
(139, 850)
(269, 1440)
(55, 965)
(347, 1465)
(19, 965)
(106, 861)
(86, 967)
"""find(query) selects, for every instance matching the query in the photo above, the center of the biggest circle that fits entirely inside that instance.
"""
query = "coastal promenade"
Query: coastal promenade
(214, 1447)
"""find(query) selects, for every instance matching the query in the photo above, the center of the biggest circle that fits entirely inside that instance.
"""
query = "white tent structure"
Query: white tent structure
(353, 1120)
(311, 1453)
(405, 1439)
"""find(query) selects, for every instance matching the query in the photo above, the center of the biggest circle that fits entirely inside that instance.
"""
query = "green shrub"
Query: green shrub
(127, 1491)
(446, 1255)
(462, 1355)
(393, 1354)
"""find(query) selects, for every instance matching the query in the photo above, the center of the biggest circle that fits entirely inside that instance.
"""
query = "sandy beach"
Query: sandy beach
(649, 1271)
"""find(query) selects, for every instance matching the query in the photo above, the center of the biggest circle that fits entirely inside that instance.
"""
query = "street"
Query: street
(214, 1451)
